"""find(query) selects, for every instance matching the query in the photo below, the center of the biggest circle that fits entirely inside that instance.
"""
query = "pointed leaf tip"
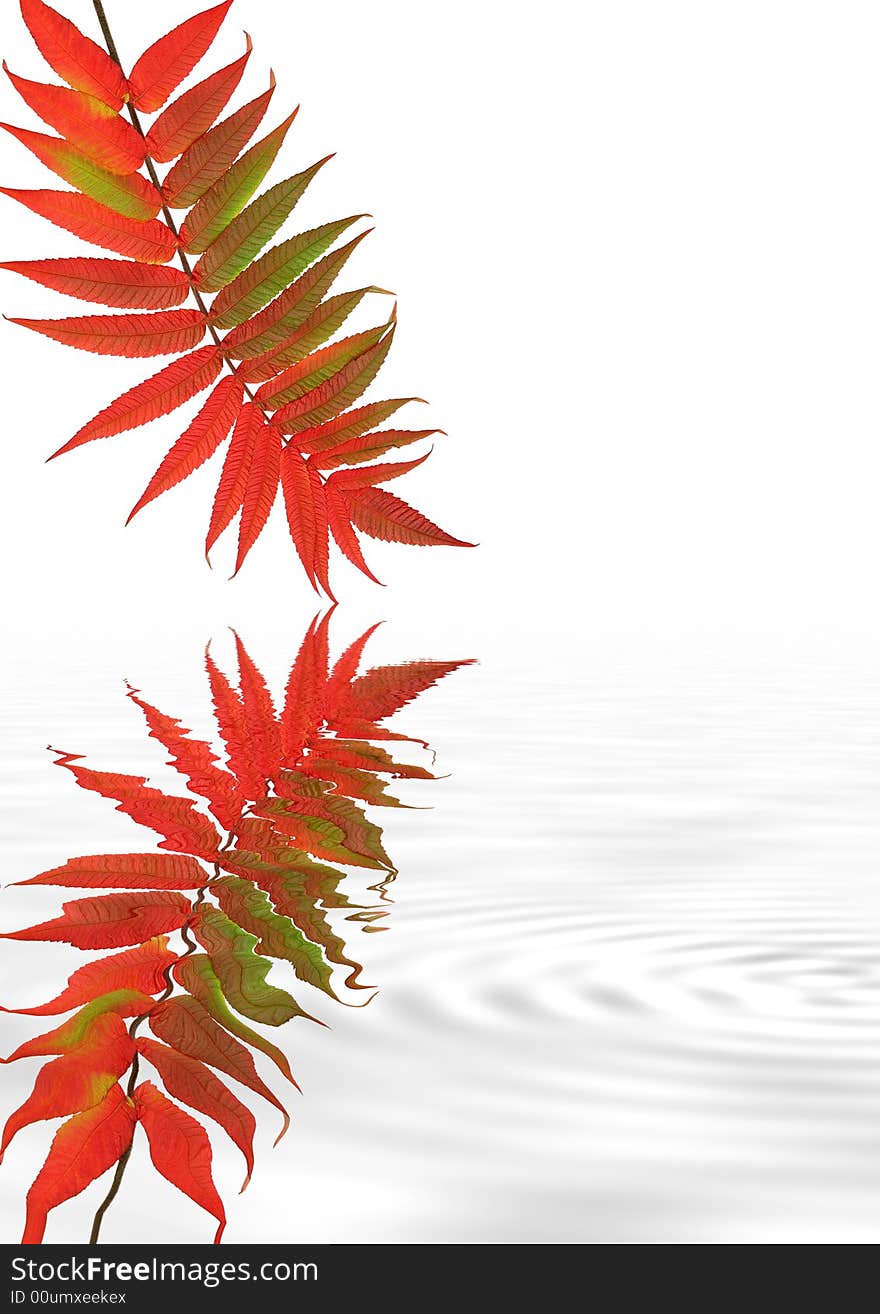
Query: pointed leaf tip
(165, 63)
(78, 60)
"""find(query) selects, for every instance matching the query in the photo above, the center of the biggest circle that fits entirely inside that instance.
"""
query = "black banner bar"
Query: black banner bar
(170, 1278)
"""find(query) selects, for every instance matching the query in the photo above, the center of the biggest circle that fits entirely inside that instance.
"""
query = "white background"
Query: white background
(635, 251)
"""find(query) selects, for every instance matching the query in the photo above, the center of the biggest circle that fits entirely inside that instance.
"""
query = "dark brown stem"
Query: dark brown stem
(109, 1197)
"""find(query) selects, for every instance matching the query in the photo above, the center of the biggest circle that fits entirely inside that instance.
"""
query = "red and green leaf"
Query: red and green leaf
(76, 1081)
(83, 1149)
(142, 969)
(129, 194)
(210, 155)
(231, 192)
(84, 121)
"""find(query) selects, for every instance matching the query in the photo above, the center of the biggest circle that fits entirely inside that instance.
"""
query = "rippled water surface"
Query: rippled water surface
(631, 986)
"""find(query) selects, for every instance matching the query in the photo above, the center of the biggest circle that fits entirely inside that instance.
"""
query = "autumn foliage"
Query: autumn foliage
(248, 872)
(281, 386)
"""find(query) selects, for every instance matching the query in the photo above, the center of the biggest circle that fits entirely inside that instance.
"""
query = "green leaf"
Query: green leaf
(336, 393)
(271, 326)
(320, 325)
(304, 902)
(277, 936)
(355, 783)
(315, 369)
(241, 972)
(247, 234)
(231, 192)
(272, 272)
(199, 979)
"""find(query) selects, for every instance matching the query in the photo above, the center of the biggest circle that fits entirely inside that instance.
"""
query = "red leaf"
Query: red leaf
(187, 1026)
(341, 528)
(192, 114)
(199, 441)
(367, 476)
(192, 1083)
(306, 515)
(74, 57)
(180, 1149)
(233, 728)
(76, 1081)
(197, 761)
(211, 155)
(83, 1148)
(261, 489)
(125, 871)
(165, 64)
(120, 283)
(85, 122)
(140, 969)
(234, 475)
(161, 393)
(345, 669)
(109, 921)
(346, 427)
(383, 691)
(176, 819)
(382, 515)
(304, 695)
(162, 333)
(149, 241)
(259, 716)
(367, 446)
